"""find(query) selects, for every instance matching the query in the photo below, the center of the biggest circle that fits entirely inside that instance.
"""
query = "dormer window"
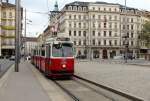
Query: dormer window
(75, 8)
(80, 8)
(70, 7)
(93, 8)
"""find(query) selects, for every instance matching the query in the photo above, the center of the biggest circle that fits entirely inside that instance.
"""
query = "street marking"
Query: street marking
(4, 78)
(54, 93)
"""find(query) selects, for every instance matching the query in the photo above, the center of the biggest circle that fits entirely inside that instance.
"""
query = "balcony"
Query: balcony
(7, 37)
(8, 27)
(8, 46)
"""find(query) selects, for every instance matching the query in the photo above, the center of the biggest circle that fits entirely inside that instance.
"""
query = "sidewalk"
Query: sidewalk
(22, 86)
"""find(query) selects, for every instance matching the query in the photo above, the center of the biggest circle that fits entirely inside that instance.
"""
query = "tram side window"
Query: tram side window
(34, 52)
(43, 52)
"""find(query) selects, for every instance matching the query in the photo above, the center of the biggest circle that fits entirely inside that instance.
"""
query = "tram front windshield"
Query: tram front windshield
(62, 50)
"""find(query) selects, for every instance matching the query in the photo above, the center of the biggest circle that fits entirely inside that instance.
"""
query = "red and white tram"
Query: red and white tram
(55, 57)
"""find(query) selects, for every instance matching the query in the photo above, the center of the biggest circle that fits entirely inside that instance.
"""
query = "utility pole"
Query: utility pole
(126, 36)
(25, 21)
(17, 48)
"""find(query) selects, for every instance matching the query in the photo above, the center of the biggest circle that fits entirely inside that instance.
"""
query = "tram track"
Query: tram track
(125, 95)
(80, 89)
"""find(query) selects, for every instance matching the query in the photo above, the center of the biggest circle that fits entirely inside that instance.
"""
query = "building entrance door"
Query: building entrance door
(105, 56)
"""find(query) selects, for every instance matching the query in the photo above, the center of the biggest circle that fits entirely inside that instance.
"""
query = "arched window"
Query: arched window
(70, 7)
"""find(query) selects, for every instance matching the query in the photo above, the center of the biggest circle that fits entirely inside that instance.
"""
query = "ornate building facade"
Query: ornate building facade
(98, 28)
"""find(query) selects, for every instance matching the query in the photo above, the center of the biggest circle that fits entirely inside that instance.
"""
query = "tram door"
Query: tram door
(47, 59)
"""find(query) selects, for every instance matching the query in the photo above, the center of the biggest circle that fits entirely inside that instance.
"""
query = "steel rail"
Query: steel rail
(130, 97)
(67, 91)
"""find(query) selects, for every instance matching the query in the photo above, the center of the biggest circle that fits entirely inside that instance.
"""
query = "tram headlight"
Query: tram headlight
(63, 66)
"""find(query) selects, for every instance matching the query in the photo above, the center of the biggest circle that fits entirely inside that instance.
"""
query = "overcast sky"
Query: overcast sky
(40, 20)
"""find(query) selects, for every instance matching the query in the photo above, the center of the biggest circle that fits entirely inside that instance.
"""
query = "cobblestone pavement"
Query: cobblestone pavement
(4, 65)
(127, 78)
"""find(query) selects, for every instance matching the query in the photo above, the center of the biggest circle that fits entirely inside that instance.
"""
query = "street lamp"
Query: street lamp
(126, 36)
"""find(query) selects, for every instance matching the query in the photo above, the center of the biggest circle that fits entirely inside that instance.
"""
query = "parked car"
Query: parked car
(12, 58)
(28, 58)
(118, 57)
(81, 57)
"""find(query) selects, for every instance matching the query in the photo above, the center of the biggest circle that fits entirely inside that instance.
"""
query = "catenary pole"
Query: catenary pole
(25, 21)
(17, 49)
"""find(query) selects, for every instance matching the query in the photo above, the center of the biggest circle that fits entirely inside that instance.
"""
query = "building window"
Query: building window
(99, 9)
(99, 25)
(110, 9)
(104, 9)
(104, 24)
(124, 26)
(110, 17)
(93, 33)
(99, 34)
(84, 8)
(84, 42)
(84, 25)
(93, 25)
(110, 42)
(128, 27)
(74, 33)
(110, 33)
(104, 42)
(115, 42)
(93, 8)
(80, 9)
(79, 42)
(115, 17)
(79, 33)
(69, 16)
(4, 14)
(132, 43)
(93, 16)
(104, 33)
(70, 7)
(75, 8)
(10, 14)
(110, 25)
(131, 20)
(84, 17)
(79, 25)
(99, 16)
(69, 33)
(70, 24)
(74, 42)
(84, 33)
(115, 25)
(132, 27)
(74, 16)
(127, 19)
(132, 35)
(99, 42)
(75, 24)
(79, 17)
(115, 34)
(115, 9)
(105, 17)
(128, 34)
(93, 42)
